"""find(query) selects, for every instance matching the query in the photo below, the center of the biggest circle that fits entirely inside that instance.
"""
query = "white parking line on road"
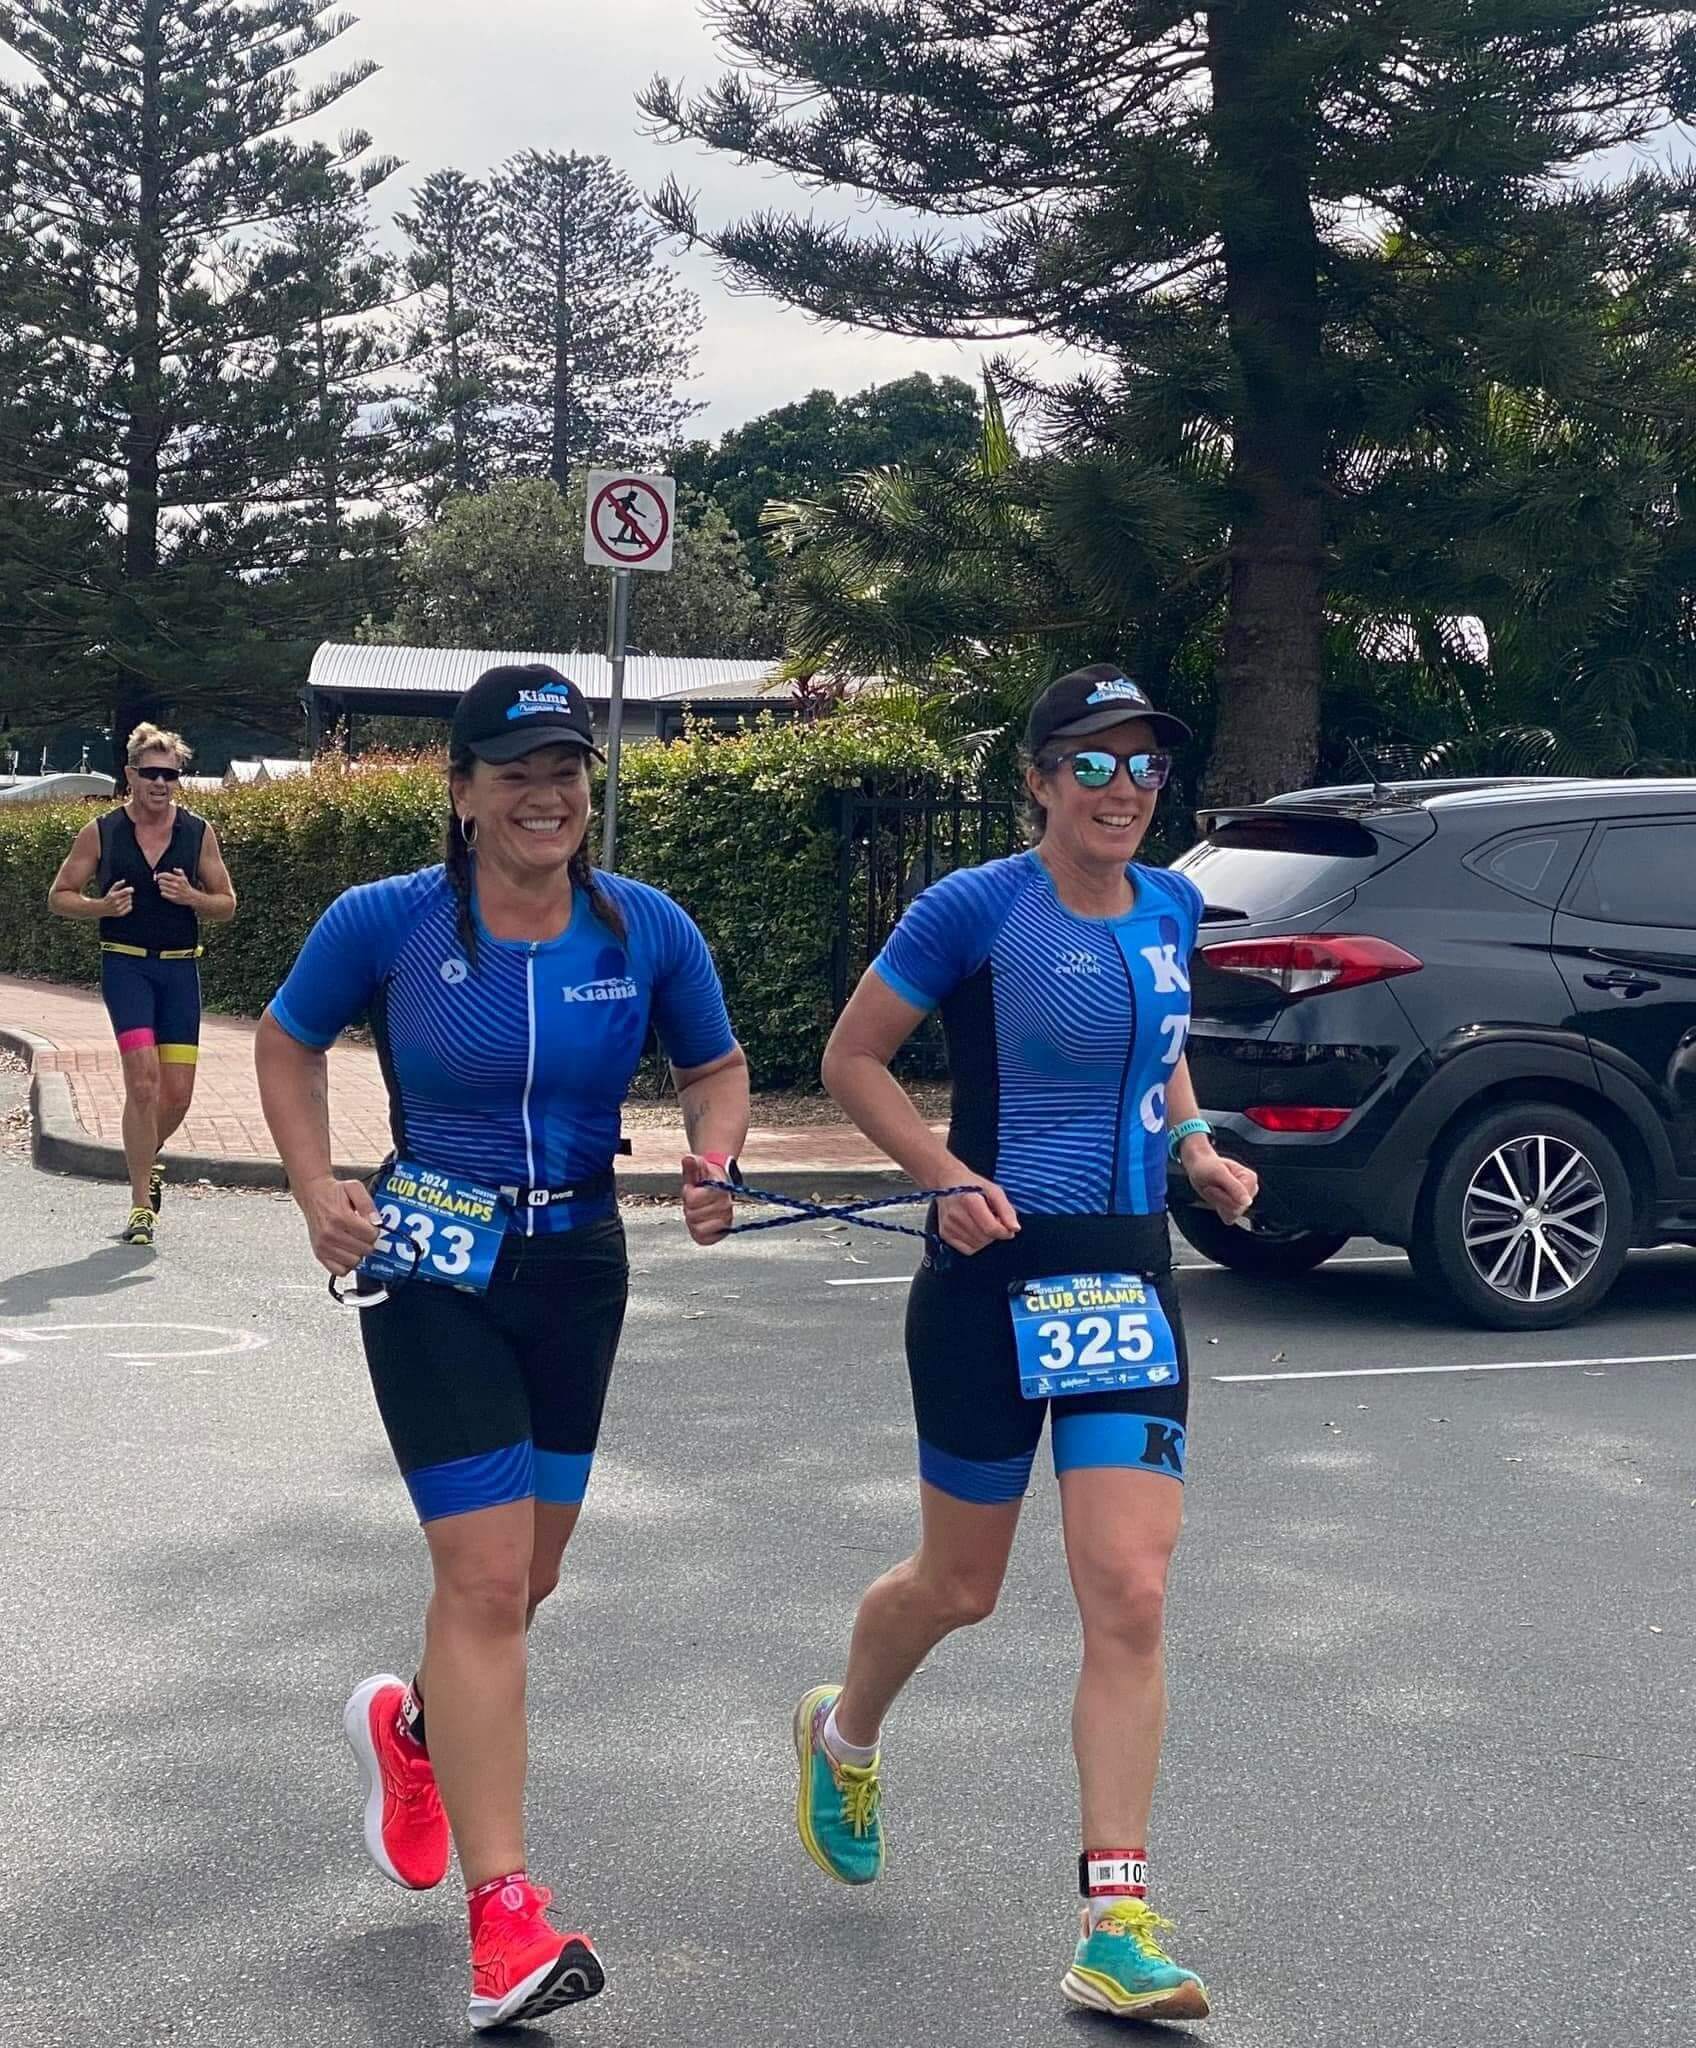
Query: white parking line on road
(1330, 1265)
(233, 1340)
(1206, 1266)
(1383, 1372)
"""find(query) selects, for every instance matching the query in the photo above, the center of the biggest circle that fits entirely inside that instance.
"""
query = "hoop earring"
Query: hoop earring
(468, 832)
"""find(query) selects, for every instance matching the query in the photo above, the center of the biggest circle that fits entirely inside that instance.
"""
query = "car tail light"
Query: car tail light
(1280, 1116)
(1310, 966)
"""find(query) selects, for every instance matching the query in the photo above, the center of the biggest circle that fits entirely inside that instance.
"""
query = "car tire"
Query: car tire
(1468, 1228)
(1269, 1254)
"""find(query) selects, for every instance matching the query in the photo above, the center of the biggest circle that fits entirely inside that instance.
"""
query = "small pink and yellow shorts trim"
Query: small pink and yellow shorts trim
(154, 1005)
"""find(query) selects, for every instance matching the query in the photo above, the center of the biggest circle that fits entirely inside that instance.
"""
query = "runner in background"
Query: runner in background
(158, 872)
(1062, 976)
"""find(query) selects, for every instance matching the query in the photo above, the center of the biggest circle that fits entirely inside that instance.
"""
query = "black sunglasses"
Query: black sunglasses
(1095, 767)
(156, 774)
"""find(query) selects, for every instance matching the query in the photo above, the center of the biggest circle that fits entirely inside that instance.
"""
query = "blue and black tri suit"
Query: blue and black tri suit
(510, 1073)
(1062, 1033)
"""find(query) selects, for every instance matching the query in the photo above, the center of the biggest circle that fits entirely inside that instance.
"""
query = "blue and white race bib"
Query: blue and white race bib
(453, 1228)
(1089, 1333)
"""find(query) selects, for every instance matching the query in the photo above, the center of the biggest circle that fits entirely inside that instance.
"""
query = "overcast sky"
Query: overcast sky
(466, 86)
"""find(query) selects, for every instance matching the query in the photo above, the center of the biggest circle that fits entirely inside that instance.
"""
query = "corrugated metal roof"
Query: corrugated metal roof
(341, 666)
(56, 784)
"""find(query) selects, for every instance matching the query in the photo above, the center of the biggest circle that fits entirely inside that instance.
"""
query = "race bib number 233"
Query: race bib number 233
(435, 1227)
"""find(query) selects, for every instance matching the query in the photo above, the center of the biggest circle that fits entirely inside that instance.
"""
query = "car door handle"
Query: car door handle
(1620, 981)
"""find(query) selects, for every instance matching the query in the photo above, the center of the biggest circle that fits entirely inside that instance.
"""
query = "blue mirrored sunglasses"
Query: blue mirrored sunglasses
(1095, 767)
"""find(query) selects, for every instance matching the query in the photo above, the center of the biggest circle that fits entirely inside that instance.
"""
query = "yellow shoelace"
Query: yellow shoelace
(861, 1794)
(1138, 1919)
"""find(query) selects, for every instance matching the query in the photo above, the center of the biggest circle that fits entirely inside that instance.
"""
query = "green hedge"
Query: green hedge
(291, 847)
(739, 829)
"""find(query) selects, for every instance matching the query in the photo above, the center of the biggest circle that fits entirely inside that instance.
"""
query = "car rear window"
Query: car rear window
(1259, 868)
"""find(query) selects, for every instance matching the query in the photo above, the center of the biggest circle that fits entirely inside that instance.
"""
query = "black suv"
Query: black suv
(1459, 1017)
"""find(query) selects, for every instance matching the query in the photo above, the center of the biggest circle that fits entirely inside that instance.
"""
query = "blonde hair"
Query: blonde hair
(152, 739)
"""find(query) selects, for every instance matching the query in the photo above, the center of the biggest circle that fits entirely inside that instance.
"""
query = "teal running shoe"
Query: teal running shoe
(837, 1805)
(1122, 1969)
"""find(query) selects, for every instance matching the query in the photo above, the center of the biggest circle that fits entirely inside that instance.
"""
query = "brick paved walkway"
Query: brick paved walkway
(225, 1120)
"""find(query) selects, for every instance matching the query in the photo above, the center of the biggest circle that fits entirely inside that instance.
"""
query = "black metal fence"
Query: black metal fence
(894, 846)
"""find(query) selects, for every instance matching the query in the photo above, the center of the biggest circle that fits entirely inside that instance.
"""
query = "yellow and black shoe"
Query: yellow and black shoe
(139, 1229)
(156, 1187)
(838, 1808)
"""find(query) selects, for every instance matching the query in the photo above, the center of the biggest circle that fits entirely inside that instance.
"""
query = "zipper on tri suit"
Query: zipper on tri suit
(530, 1078)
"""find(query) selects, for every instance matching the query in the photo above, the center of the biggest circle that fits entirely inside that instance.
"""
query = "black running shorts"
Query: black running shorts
(977, 1433)
(497, 1397)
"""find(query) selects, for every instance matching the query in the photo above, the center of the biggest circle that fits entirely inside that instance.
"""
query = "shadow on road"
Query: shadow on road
(114, 1269)
(1126, 2033)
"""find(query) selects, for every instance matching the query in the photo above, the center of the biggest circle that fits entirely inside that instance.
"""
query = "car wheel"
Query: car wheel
(1526, 1219)
(1262, 1249)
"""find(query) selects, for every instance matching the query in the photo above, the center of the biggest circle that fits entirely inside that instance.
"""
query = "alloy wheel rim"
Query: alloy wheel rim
(1534, 1219)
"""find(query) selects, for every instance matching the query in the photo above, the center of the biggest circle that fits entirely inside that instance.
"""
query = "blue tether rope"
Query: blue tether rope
(803, 1211)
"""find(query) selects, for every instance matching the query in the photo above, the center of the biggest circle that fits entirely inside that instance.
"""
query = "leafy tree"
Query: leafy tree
(908, 572)
(154, 172)
(452, 263)
(1225, 202)
(593, 335)
(505, 568)
(801, 450)
(53, 542)
(1511, 565)
(328, 390)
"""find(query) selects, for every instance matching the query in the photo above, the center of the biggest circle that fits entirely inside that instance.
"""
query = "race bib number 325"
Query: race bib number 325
(1086, 1333)
(435, 1227)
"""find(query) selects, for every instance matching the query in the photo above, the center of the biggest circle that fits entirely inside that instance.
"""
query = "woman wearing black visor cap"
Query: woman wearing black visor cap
(1062, 977)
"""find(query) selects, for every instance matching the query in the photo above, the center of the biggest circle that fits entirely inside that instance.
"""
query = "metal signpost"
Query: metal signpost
(629, 524)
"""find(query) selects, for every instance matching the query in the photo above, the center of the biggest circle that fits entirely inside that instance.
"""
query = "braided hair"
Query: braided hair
(456, 859)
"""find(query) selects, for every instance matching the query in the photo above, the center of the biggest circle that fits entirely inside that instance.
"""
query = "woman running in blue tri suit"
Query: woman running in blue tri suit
(510, 992)
(1062, 976)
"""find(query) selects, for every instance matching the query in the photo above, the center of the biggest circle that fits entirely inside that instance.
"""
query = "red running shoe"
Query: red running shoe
(405, 1827)
(522, 1966)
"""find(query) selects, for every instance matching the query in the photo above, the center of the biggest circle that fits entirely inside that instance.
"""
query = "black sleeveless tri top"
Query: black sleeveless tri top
(153, 923)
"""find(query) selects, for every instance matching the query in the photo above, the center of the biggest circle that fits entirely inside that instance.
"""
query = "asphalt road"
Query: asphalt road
(1429, 1776)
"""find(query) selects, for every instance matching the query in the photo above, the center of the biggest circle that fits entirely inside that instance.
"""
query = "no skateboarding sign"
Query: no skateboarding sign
(630, 520)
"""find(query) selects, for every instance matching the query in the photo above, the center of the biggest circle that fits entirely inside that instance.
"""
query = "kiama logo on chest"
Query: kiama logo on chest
(614, 989)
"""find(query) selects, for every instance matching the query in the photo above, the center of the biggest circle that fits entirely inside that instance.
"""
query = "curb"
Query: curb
(59, 1144)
